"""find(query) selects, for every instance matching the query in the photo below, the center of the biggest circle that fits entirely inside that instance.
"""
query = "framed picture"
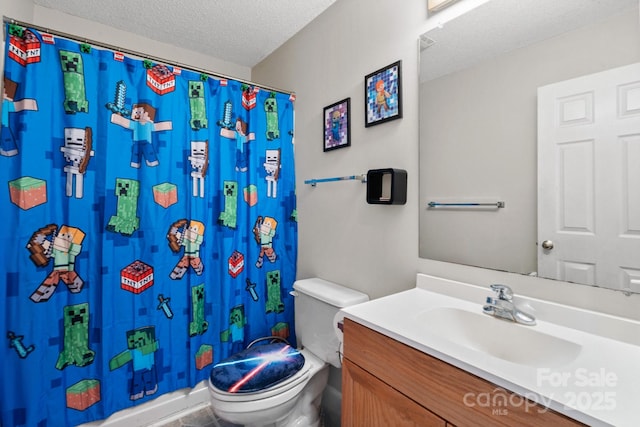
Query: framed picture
(383, 95)
(336, 125)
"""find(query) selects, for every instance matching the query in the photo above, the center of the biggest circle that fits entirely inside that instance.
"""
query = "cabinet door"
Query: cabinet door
(369, 402)
(442, 388)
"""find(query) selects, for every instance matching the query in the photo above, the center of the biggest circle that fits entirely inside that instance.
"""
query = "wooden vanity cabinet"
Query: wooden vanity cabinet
(367, 401)
(387, 383)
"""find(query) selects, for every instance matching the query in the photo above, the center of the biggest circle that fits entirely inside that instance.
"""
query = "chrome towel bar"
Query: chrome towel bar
(498, 204)
(313, 182)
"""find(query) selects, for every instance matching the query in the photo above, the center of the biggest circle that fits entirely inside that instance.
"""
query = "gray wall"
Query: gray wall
(374, 248)
(371, 248)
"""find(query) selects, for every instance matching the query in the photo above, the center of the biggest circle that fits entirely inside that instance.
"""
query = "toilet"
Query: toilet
(273, 384)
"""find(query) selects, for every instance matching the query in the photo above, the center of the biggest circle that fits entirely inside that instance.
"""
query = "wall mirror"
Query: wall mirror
(480, 130)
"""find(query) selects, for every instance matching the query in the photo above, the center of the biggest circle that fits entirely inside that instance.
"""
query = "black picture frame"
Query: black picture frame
(336, 125)
(383, 95)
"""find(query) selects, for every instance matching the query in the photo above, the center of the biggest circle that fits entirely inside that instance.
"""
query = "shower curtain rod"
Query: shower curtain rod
(141, 55)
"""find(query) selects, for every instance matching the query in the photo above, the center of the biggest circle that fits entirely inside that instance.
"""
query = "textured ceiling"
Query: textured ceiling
(242, 32)
(500, 26)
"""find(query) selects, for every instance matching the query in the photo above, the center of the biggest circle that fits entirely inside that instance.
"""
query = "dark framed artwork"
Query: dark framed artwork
(383, 95)
(336, 125)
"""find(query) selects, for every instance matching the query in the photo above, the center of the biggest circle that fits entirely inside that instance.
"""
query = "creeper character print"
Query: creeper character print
(76, 337)
(125, 221)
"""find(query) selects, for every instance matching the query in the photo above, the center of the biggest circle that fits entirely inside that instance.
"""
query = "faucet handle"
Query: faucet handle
(504, 292)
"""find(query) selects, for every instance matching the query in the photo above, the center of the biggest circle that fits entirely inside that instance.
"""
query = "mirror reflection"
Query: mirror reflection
(483, 78)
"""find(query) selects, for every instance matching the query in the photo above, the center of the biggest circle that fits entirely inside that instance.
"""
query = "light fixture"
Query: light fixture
(438, 5)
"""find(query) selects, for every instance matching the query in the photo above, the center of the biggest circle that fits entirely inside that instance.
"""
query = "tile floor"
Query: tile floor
(202, 418)
(206, 418)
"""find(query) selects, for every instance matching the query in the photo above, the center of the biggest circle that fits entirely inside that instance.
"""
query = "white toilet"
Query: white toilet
(294, 401)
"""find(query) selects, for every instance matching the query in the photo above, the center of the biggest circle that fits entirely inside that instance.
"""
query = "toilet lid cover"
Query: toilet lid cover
(257, 368)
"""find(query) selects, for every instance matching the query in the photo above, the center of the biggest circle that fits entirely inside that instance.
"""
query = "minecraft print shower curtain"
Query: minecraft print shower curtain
(149, 227)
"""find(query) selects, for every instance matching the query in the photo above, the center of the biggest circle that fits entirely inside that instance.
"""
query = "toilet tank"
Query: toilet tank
(317, 301)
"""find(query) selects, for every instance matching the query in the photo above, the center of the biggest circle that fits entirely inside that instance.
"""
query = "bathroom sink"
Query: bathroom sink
(503, 339)
(569, 352)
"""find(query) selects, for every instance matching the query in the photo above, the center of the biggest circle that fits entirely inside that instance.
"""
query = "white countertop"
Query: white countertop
(600, 386)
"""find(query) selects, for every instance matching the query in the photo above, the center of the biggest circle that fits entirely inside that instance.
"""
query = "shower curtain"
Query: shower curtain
(149, 227)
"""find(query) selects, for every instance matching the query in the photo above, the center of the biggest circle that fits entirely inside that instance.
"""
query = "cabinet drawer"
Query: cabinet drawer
(369, 402)
(442, 388)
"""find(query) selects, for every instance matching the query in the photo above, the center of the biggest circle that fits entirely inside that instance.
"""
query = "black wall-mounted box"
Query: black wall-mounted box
(387, 186)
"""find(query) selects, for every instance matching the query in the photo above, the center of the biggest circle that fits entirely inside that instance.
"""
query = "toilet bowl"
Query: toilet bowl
(293, 400)
(276, 404)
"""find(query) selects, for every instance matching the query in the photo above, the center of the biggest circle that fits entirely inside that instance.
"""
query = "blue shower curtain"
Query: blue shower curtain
(149, 227)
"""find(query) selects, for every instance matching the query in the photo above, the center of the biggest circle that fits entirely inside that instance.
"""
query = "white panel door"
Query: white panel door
(589, 179)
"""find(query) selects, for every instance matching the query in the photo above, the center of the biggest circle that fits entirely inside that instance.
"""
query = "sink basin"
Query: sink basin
(506, 340)
(569, 352)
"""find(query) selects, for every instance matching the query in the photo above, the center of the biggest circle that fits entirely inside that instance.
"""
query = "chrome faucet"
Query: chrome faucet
(502, 306)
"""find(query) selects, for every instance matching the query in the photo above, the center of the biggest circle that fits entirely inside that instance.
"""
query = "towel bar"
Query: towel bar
(498, 204)
(313, 182)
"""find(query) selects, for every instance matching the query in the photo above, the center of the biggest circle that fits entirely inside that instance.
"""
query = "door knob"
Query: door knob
(547, 244)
